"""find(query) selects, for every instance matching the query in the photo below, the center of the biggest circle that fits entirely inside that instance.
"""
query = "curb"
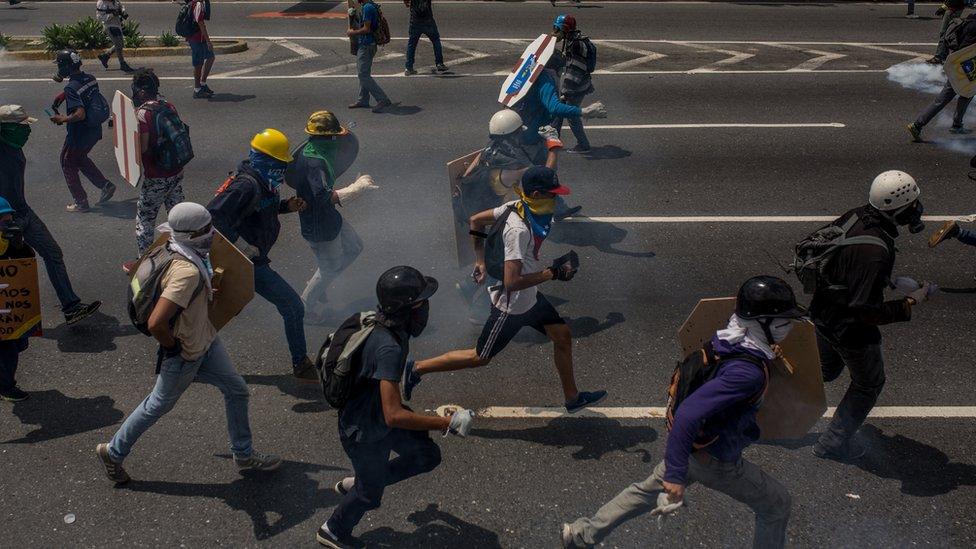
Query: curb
(220, 46)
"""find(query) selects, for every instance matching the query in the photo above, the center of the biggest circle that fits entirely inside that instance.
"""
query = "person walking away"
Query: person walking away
(201, 49)
(575, 82)
(189, 348)
(849, 305)
(961, 33)
(517, 302)
(84, 130)
(369, 21)
(245, 210)
(950, 10)
(422, 24)
(15, 129)
(332, 238)
(12, 246)
(374, 422)
(111, 13)
(712, 426)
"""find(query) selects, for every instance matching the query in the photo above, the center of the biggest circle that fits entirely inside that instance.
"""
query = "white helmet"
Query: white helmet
(892, 190)
(504, 122)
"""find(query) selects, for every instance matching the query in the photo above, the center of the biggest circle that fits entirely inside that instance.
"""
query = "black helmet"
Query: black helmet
(767, 297)
(67, 60)
(145, 80)
(402, 287)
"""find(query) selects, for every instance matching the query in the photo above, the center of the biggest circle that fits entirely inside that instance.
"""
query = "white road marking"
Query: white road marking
(718, 125)
(809, 64)
(735, 56)
(471, 54)
(916, 56)
(649, 412)
(742, 219)
(348, 66)
(303, 54)
(297, 48)
(645, 55)
(524, 41)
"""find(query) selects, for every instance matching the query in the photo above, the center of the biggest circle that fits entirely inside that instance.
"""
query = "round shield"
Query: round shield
(345, 154)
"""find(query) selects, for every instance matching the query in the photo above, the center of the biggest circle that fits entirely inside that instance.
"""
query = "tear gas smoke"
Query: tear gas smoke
(918, 76)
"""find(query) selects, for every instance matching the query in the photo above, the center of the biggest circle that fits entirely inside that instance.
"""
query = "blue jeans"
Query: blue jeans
(967, 236)
(269, 285)
(374, 470)
(364, 69)
(175, 376)
(430, 31)
(575, 123)
(38, 237)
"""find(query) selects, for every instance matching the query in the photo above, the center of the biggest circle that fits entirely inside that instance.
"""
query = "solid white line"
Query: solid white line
(741, 219)
(524, 41)
(649, 412)
(720, 125)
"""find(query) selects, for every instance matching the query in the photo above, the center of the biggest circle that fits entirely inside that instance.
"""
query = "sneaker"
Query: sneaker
(79, 208)
(328, 539)
(258, 462)
(81, 312)
(567, 538)
(849, 451)
(340, 488)
(410, 380)
(15, 394)
(440, 67)
(579, 149)
(305, 371)
(568, 212)
(959, 130)
(358, 105)
(381, 106)
(409, 72)
(104, 57)
(108, 191)
(584, 399)
(206, 88)
(915, 131)
(113, 469)
(202, 93)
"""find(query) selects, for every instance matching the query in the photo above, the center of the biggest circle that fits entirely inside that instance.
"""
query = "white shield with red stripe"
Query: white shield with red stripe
(126, 138)
(527, 70)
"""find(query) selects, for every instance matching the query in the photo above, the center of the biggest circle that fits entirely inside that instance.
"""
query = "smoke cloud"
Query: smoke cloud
(918, 76)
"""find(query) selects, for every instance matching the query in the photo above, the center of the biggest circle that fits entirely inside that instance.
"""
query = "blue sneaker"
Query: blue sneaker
(410, 380)
(584, 399)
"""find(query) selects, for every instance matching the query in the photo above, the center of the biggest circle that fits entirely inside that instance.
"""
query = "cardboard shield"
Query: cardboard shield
(795, 397)
(344, 158)
(125, 136)
(530, 65)
(462, 241)
(20, 299)
(960, 69)
(233, 278)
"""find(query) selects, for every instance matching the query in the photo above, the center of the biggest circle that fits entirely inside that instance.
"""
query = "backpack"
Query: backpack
(255, 200)
(812, 254)
(186, 26)
(698, 368)
(495, 246)
(97, 110)
(574, 77)
(381, 34)
(172, 148)
(339, 362)
(145, 287)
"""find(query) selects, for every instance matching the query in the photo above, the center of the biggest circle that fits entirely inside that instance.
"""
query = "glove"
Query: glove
(564, 268)
(595, 110)
(460, 423)
(551, 136)
(664, 508)
(250, 251)
(351, 12)
(356, 188)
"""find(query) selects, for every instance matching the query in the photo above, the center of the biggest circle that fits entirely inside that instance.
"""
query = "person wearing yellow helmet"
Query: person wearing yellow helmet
(246, 207)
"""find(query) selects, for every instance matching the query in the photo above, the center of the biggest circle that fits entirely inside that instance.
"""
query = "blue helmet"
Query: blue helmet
(5, 207)
(565, 23)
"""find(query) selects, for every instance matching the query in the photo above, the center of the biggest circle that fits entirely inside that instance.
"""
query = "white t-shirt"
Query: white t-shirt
(519, 246)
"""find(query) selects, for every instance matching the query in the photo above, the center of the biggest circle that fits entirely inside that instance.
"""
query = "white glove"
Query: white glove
(351, 12)
(923, 292)
(460, 423)
(664, 508)
(911, 288)
(356, 188)
(595, 110)
(551, 136)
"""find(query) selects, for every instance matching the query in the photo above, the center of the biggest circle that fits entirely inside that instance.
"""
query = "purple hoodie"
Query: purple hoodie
(736, 381)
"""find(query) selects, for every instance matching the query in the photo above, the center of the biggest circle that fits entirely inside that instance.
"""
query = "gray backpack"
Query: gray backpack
(145, 287)
(339, 360)
(813, 253)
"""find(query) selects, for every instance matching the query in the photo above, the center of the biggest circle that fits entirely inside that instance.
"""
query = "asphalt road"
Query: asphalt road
(515, 480)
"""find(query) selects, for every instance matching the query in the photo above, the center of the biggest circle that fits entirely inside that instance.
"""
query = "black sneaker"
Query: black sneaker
(202, 93)
(207, 89)
(409, 72)
(108, 191)
(305, 371)
(328, 539)
(104, 57)
(81, 312)
(846, 453)
(14, 395)
(440, 67)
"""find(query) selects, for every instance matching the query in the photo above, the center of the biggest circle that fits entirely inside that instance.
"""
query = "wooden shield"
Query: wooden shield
(960, 70)
(530, 65)
(233, 278)
(795, 398)
(20, 299)
(125, 136)
(462, 240)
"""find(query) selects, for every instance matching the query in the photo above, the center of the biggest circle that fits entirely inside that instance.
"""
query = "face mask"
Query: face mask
(779, 329)
(271, 169)
(200, 244)
(14, 135)
(912, 217)
(538, 206)
(418, 319)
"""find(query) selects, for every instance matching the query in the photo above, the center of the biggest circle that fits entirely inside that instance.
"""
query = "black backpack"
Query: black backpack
(495, 246)
(97, 110)
(186, 26)
(172, 148)
(698, 368)
(812, 254)
(145, 286)
(339, 360)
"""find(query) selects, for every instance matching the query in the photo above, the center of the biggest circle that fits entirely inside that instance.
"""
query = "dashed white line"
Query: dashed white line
(645, 55)
(650, 412)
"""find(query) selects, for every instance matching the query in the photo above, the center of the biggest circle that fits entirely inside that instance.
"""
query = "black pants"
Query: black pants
(9, 356)
(416, 454)
(37, 236)
(866, 366)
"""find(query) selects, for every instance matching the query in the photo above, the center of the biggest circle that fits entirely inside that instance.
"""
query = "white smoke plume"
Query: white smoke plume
(918, 76)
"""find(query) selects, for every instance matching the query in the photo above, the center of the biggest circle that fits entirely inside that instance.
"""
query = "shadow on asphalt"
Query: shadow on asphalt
(923, 470)
(290, 495)
(595, 437)
(606, 152)
(58, 415)
(120, 209)
(96, 334)
(229, 98)
(402, 110)
(597, 234)
(436, 530)
(309, 393)
(581, 327)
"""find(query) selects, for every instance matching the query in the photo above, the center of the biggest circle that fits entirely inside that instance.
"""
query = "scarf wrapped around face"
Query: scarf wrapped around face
(750, 334)
(537, 212)
(325, 150)
(271, 169)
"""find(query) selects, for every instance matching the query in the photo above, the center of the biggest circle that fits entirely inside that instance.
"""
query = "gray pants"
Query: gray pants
(575, 123)
(115, 33)
(332, 257)
(944, 98)
(866, 366)
(742, 481)
(364, 69)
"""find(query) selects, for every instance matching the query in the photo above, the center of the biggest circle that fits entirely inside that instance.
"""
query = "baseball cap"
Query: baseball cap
(15, 114)
(543, 179)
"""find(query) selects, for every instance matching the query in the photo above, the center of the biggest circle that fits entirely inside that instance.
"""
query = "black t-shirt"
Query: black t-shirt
(421, 11)
(383, 358)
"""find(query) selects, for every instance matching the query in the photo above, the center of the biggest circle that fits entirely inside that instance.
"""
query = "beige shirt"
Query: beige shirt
(193, 328)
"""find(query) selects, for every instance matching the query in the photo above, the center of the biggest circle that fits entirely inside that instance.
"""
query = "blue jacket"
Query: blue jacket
(246, 207)
(541, 105)
(706, 413)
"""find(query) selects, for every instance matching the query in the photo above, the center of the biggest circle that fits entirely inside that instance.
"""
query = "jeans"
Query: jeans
(9, 357)
(364, 68)
(967, 236)
(175, 376)
(74, 159)
(575, 124)
(866, 366)
(155, 192)
(742, 481)
(944, 98)
(332, 257)
(430, 31)
(374, 470)
(39, 238)
(269, 285)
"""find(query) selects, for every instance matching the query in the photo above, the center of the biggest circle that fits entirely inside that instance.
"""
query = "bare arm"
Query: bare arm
(398, 417)
(159, 320)
(515, 280)
(77, 116)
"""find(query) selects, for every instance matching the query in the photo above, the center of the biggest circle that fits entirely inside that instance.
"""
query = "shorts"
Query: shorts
(501, 327)
(199, 52)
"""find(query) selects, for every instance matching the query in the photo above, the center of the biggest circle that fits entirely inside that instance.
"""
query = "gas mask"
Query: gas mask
(417, 319)
(911, 216)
